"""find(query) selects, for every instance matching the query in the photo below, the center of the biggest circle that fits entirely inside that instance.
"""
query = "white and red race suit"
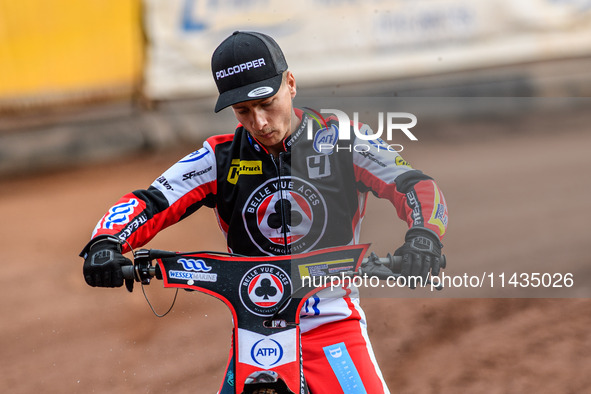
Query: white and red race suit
(311, 196)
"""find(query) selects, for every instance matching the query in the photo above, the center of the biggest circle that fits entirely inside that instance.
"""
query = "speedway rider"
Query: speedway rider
(275, 192)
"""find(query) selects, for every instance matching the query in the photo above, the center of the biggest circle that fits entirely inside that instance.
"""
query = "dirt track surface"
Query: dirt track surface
(519, 201)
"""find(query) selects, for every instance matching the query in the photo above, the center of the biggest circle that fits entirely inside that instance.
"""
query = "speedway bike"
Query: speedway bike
(265, 296)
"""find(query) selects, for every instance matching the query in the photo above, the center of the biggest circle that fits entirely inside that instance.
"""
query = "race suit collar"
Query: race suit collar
(298, 132)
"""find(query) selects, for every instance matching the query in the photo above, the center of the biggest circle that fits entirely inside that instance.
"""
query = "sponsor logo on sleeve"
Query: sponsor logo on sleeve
(439, 215)
(197, 155)
(120, 213)
(371, 157)
(164, 182)
(132, 226)
(414, 204)
(401, 162)
(192, 174)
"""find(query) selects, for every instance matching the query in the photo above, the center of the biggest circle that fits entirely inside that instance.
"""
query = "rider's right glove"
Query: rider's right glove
(103, 262)
(420, 254)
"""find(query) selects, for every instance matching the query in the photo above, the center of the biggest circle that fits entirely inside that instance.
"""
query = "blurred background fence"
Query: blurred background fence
(87, 81)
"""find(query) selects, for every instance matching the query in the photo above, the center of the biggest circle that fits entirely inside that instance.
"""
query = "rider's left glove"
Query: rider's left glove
(103, 262)
(420, 254)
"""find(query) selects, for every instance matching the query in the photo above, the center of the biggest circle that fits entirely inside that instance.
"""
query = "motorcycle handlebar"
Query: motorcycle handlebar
(131, 272)
(373, 265)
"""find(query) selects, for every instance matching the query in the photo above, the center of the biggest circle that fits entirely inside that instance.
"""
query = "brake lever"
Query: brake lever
(129, 285)
(374, 266)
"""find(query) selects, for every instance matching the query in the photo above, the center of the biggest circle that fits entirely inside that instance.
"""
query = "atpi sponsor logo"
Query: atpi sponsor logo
(325, 139)
(267, 352)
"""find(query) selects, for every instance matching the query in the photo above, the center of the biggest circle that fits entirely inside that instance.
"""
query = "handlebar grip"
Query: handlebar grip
(397, 260)
(128, 272)
(135, 273)
(139, 274)
(392, 263)
(160, 254)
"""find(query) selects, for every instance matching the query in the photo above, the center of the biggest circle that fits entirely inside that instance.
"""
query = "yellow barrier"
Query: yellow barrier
(57, 48)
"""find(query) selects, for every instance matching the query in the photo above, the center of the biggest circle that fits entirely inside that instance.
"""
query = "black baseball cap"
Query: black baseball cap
(247, 66)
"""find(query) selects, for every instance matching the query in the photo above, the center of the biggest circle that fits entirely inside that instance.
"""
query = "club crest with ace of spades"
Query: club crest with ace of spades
(263, 288)
(292, 218)
(285, 216)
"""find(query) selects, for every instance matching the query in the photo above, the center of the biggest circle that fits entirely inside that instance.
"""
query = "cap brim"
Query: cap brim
(254, 91)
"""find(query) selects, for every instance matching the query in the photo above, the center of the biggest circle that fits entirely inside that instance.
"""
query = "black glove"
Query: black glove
(420, 254)
(102, 263)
